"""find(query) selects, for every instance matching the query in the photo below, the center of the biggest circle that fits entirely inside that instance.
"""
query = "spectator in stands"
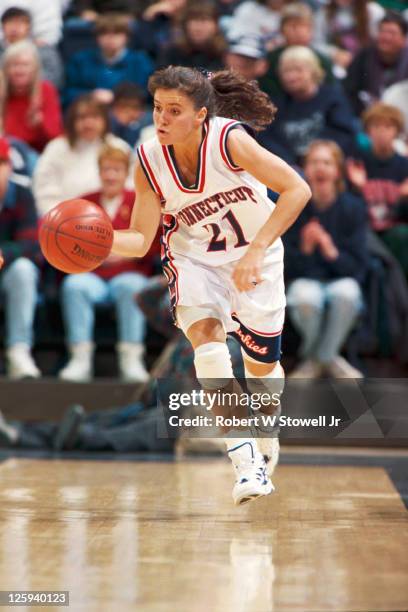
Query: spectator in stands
(19, 274)
(116, 281)
(129, 114)
(162, 20)
(170, 10)
(325, 260)
(397, 95)
(342, 27)
(297, 29)
(380, 175)
(30, 106)
(308, 108)
(380, 65)
(90, 10)
(68, 166)
(259, 18)
(23, 160)
(100, 70)
(46, 18)
(16, 26)
(201, 44)
(247, 56)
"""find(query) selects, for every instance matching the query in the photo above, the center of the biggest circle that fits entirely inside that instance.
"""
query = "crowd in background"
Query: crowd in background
(74, 105)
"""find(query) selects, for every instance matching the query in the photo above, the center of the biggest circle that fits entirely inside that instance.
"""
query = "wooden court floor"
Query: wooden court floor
(165, 537)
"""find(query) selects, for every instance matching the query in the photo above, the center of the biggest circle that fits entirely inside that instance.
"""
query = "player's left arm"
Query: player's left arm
(281, 178)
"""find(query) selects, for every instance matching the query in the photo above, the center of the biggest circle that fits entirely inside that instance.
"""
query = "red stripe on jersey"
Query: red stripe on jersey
(223, 146)
(150, 172)
(202, 161)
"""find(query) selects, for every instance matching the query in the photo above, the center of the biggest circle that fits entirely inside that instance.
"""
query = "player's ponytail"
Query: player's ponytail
(224, 93)
(238, 98)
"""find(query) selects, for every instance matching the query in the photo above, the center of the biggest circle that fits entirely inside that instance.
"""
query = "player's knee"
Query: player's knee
(272, 382)
(213, 365)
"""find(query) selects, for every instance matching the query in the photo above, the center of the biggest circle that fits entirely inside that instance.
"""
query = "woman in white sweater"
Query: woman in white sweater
(68, 167)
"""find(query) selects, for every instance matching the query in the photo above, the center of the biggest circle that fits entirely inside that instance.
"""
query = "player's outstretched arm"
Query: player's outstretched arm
(281, 178)
(136, 241)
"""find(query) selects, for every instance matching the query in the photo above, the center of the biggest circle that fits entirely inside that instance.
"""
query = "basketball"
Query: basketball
(76, 236)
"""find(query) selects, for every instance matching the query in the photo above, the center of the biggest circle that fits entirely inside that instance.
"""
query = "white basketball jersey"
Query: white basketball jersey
(214, 220)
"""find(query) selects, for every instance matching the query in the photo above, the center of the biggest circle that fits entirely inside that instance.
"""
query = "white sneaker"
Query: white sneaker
(252, 480)
(341, 368)
(20, 363)
(80, 366)
(307, 369)
(131, 365)
(269, 449)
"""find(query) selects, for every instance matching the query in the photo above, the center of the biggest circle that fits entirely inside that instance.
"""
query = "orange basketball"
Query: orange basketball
(76, 236)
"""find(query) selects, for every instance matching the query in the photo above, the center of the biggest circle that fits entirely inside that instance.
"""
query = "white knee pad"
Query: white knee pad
(213, 365)
(272, 383)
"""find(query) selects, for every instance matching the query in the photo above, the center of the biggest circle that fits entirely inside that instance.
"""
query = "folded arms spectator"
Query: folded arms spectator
(21, 256)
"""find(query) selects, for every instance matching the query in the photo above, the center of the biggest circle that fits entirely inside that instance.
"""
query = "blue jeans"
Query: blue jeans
(18, 283)
(323, 313)
(81, 292)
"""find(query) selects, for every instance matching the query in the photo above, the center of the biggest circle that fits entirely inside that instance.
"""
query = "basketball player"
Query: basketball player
(206, 176)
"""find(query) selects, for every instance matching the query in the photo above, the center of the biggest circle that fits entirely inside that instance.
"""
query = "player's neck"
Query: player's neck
(188, 150)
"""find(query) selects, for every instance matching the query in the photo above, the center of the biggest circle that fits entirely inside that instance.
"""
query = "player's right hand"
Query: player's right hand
(247, 272)
(1, 260)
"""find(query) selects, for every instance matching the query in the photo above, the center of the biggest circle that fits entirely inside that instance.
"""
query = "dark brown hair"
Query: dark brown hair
(15, 12)
(224, 93)
(217, 45)
(89, 105)
(112, 22)
(360, 14)
(397, 19)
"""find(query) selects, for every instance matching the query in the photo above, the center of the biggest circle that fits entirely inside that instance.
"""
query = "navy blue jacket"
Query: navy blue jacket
(88, 70)
(326, 115)
(346, 222)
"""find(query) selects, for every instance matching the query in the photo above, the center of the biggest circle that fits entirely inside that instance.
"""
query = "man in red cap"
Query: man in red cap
(19, 254)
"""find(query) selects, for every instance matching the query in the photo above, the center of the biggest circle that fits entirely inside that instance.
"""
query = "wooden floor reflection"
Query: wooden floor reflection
(165, 537)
